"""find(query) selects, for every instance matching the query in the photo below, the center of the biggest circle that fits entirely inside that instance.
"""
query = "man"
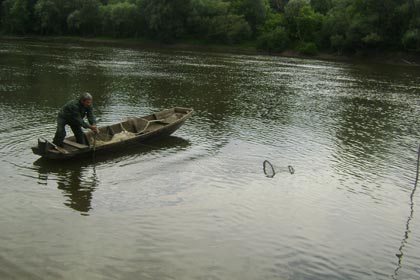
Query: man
(72, 114)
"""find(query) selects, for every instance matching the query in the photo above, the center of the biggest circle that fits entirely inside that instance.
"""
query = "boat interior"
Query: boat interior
(127, 129)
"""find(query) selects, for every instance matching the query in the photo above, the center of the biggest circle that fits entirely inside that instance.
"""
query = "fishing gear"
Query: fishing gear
(270, 171)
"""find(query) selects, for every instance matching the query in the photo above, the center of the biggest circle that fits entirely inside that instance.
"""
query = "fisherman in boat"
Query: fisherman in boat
(72, 114)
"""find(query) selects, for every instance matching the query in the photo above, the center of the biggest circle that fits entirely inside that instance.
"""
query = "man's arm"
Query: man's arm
(92, 120)
(90, 116)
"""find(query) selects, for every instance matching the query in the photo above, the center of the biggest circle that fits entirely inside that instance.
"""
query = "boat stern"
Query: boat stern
(41, 148)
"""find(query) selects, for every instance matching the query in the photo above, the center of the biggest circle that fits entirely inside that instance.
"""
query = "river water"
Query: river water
(197, 205)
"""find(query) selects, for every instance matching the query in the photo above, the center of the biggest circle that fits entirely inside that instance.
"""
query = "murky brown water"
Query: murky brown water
(197, 205)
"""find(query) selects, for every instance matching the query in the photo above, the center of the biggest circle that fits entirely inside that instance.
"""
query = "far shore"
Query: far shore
(377, 57)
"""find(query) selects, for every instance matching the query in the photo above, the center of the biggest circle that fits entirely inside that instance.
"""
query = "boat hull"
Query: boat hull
(153, 127)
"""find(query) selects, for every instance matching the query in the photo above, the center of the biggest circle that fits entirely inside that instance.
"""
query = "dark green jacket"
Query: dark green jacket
(73, 113)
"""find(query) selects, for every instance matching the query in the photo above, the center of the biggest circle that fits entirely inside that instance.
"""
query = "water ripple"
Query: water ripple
(198, 205)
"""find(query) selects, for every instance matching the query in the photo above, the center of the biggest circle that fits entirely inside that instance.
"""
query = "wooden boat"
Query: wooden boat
(129, 132)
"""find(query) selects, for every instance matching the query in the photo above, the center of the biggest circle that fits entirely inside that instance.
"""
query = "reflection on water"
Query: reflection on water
(198, 206)
(74, 180)
(79, 190)
(78, 179)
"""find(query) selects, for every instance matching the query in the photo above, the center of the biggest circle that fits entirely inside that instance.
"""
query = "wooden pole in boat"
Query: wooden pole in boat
(94, 142)
(94, 147)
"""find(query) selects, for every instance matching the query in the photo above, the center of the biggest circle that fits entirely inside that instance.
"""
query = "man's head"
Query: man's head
(86, 99)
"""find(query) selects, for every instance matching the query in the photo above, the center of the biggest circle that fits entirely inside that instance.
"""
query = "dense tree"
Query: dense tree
(1, 16)
(278, 5)
(229, 29)
(336, 25)
(366, 23)
(274, 25)
(121, 19)
(48, 17)
(255, 11)
(211, 20)
(202, 11)
(305, 25)
(273, 34)
(321, 6)
(357, 25)
(166, 19)
(17, 16)
(404, 24)
(308, 24)
(86, 18)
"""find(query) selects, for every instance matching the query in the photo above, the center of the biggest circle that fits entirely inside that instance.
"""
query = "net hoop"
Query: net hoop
(267, 167)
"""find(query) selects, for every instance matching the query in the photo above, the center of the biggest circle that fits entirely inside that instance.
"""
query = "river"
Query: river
(198, 205)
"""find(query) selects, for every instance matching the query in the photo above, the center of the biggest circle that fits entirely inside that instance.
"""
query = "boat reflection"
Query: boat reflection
(78, 179)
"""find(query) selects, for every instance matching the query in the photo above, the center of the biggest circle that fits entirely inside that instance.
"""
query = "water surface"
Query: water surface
(198, 205)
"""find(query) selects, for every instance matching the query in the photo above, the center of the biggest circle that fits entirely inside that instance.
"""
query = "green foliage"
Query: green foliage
(272, 22)
(338, 43)
(202, 11)
(120, 19)
(48, 17)
(411, 39)
(210, 20)
(229, 29)
(338, 25)
(85, 18)
(273, 35)
(293, 7)
(90, 17)
(322, 6)
(278, 5)
(308, 24)
(16, 16)
(307, 48)
(166, 19)
(335, 28)
(274, 40)
(368, 21)
(291, 12)
(209, 8)
(254, 11)
(303, 23)
(74, 21)
(372, 39)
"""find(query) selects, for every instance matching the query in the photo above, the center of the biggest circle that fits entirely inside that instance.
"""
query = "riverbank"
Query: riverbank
(139, 42)
(379, 57)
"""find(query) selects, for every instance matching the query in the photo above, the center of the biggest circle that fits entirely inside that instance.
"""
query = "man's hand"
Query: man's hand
(94, 128)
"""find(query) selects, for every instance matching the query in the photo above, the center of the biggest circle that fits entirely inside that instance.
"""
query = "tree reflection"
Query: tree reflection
(228, 93)
(364, 136)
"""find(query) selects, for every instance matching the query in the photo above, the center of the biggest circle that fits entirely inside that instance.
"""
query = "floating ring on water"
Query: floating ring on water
(267, 167)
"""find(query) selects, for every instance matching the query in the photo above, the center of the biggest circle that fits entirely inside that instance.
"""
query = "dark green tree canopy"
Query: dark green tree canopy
(337, 25)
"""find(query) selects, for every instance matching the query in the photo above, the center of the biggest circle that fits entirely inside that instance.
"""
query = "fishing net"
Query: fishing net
(270, 171)
(118, 137)
(291, 169)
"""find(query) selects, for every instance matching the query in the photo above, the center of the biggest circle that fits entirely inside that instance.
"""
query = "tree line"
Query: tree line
(343, 26)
